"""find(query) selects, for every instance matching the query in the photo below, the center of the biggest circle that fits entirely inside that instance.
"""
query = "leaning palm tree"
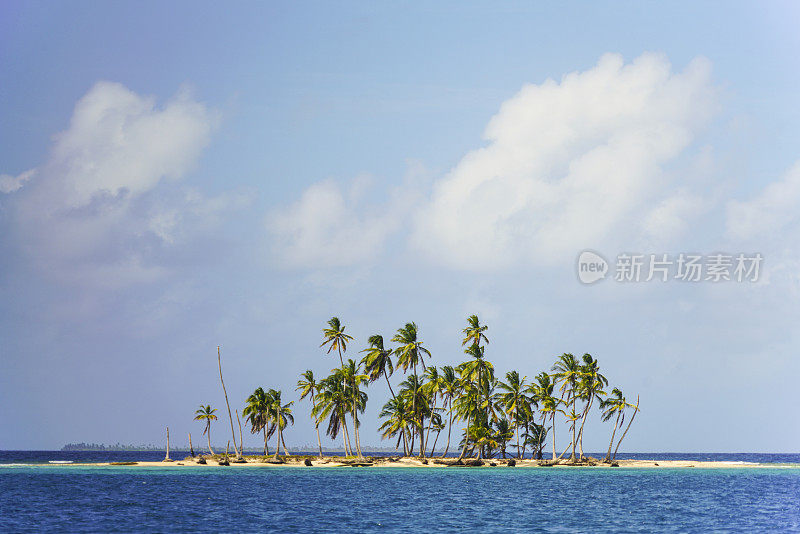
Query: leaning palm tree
(282, 414)
(258, 414)
(612, 405)
(411, 353)
(377, 361)
(630, 421)
(568, 372)
(206, 413)
(308, 387)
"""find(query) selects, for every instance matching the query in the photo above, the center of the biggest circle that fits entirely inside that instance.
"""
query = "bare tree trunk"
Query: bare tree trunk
(616, 424)
(636, 409)
(316, 421)
(230, 417)
(167, 458)
(191, 449)
(553, 429)
(266, 447)
(241, 439)
(434, 443)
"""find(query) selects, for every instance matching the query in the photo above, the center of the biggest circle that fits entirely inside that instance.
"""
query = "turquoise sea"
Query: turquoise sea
(42, 497)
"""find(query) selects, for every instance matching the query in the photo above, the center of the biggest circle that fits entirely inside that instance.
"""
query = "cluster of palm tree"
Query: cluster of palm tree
(498, 414)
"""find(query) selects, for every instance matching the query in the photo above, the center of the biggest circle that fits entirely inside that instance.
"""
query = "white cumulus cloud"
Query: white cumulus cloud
(774, 208)
(569, 163)
(89, 211)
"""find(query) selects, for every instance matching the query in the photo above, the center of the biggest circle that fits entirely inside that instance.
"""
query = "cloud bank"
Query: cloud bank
(566, 165)
(89, 211)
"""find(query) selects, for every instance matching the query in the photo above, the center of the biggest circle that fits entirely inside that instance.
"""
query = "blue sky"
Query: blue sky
(177, 178)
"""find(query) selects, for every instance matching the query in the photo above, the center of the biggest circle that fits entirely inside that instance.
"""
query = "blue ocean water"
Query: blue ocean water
(135, 499)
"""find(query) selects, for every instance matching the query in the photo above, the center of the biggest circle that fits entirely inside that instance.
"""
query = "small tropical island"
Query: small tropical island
(481, 420)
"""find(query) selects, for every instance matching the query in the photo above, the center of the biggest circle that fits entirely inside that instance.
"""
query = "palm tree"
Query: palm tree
(307, 386)
(514, 401)
(432, 390)
(474, 332)
(438, 425)
(410, 353)
(282, 414)
(503, 434)
(635, 411)
(450, 388)
(378, 361)
(398, 418)
(206, 413)
(536, 439)
(480, 371)
(591, 387)
(333, 403)
(466, 405)
(358, 399)
(611, 405)
(568, 372)
(336, 339)
(258, 414)
(413, 389)
(542, 393)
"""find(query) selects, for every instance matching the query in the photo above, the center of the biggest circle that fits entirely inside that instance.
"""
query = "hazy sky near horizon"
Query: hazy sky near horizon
(177, 176)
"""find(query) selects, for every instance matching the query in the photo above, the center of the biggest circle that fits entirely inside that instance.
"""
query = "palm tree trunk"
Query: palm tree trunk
(449, 426)
(583, 422)
(414, 411)
(434, 443)
(285, 451)
(348, 450)
(390, 387)
(266, 449)
(574, 398)
(208, 434)
(433, 410)
(230, 417)
(616, 423)
(191, 449)
(466, 438)
(516, 416)
(553, 430)
(636, 409)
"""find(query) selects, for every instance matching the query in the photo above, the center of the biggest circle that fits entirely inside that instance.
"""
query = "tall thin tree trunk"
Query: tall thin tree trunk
(230, 417)
(285, 450)
(278, 438)
(553, 430)
(241, 439)
(434, 443)
(583, 422)
(266, 449)
(616, 423)
(316, 421)
(191, 449)
(208, 434)
(636, 409)
(466, 438)
(449, 426)
(167, 458)
(574, 397)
